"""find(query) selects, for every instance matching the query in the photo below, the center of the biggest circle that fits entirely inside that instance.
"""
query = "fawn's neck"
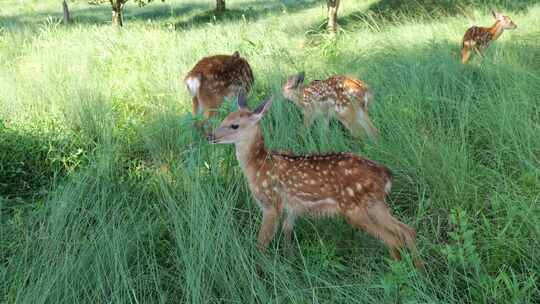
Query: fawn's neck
(251, 153)
(296, 95)
(496, 29)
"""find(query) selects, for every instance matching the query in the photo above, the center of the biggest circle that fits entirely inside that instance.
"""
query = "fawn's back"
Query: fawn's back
(344, 96)
(338, 92)
(322, 184)
(216, 77)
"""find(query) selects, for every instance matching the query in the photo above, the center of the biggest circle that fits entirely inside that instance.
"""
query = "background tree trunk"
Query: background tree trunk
(65, 8)
(117, 13)
(220, 5)
(333, 6)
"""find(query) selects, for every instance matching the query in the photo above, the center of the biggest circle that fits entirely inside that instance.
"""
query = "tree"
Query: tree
(65, 8)
(118, 11)
(118, 8)
(220, 5)
(333, 6)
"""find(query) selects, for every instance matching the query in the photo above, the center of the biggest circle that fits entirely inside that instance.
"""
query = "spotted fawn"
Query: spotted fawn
(216, 77)
(312, 185)
(479, 38)
(341, 96)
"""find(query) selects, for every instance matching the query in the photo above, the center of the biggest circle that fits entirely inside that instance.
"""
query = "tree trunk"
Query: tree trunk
(333, 6)
(117, 12)
(67, 18)
(220, 5)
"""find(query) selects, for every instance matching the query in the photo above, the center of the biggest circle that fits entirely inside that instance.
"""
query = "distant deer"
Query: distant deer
(216, 77)
(315, 185)
(345, 97)
(479, 38)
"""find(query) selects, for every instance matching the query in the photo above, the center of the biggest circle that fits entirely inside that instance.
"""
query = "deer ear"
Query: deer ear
(262, 108)
(236, 54)
(495, 14)
(242, 100)
(300, 77)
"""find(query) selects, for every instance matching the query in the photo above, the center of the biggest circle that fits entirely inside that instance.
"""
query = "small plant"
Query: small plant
(462, 252)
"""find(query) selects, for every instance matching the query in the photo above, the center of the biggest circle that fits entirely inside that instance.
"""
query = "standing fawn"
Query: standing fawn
(479, 38)
(346, 98)
(216, 77)
(314, 185)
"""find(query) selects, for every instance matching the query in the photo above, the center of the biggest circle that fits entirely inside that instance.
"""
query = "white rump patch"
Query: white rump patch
(193, 84)
(387, 187)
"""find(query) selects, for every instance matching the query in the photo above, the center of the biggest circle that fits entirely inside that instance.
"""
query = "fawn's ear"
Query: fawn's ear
(242, 100)
(236, 54)
(262, 109)
(495, 14)
(300, 77)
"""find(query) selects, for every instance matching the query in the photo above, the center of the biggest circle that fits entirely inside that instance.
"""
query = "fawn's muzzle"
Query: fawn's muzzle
(211, 138)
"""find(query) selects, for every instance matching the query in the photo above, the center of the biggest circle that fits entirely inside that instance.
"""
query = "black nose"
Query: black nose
(211, 137)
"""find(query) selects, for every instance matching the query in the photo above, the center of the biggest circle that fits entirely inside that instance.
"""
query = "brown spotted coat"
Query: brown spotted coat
(479, 38)
(216, 77)
(341, 96)
(342, 184)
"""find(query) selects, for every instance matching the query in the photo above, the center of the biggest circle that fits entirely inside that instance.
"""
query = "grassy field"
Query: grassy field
(108, 195)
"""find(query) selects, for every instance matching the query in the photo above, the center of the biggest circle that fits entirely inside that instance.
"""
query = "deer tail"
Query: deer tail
(193, 84)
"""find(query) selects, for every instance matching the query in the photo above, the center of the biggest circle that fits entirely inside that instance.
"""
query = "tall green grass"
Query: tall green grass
(126, 202)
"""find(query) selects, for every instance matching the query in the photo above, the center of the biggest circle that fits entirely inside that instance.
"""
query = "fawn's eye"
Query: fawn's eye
(233, 126)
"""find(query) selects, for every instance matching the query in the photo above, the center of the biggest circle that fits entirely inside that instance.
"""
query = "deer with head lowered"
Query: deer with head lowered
(479, 38)
(345, 97)
(311, 185)
(216, 77)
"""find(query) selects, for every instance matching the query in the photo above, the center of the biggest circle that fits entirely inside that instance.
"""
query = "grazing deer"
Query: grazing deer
(479, 38)
(315, 185)
(216, 77)
(341, 96)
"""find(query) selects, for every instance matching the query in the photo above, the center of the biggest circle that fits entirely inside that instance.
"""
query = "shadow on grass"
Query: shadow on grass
(101, 14)
(387, 8)
(181, 15)
(392, 11)
(249, 11)
(31, 159)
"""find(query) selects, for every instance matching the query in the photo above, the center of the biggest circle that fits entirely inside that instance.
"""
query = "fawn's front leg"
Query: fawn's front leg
(268, 227)
(479, 52)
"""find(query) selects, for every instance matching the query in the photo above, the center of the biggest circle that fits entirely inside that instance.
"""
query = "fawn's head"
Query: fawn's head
(292, 89)
(240, 125)
(506, 22)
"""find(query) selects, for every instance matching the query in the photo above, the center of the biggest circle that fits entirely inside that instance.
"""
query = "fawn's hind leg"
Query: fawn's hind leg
(465, 55)
(349, 120)
(466, 50)
(195, 106)
(364, 219)
(366, 123)
(375, 218)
